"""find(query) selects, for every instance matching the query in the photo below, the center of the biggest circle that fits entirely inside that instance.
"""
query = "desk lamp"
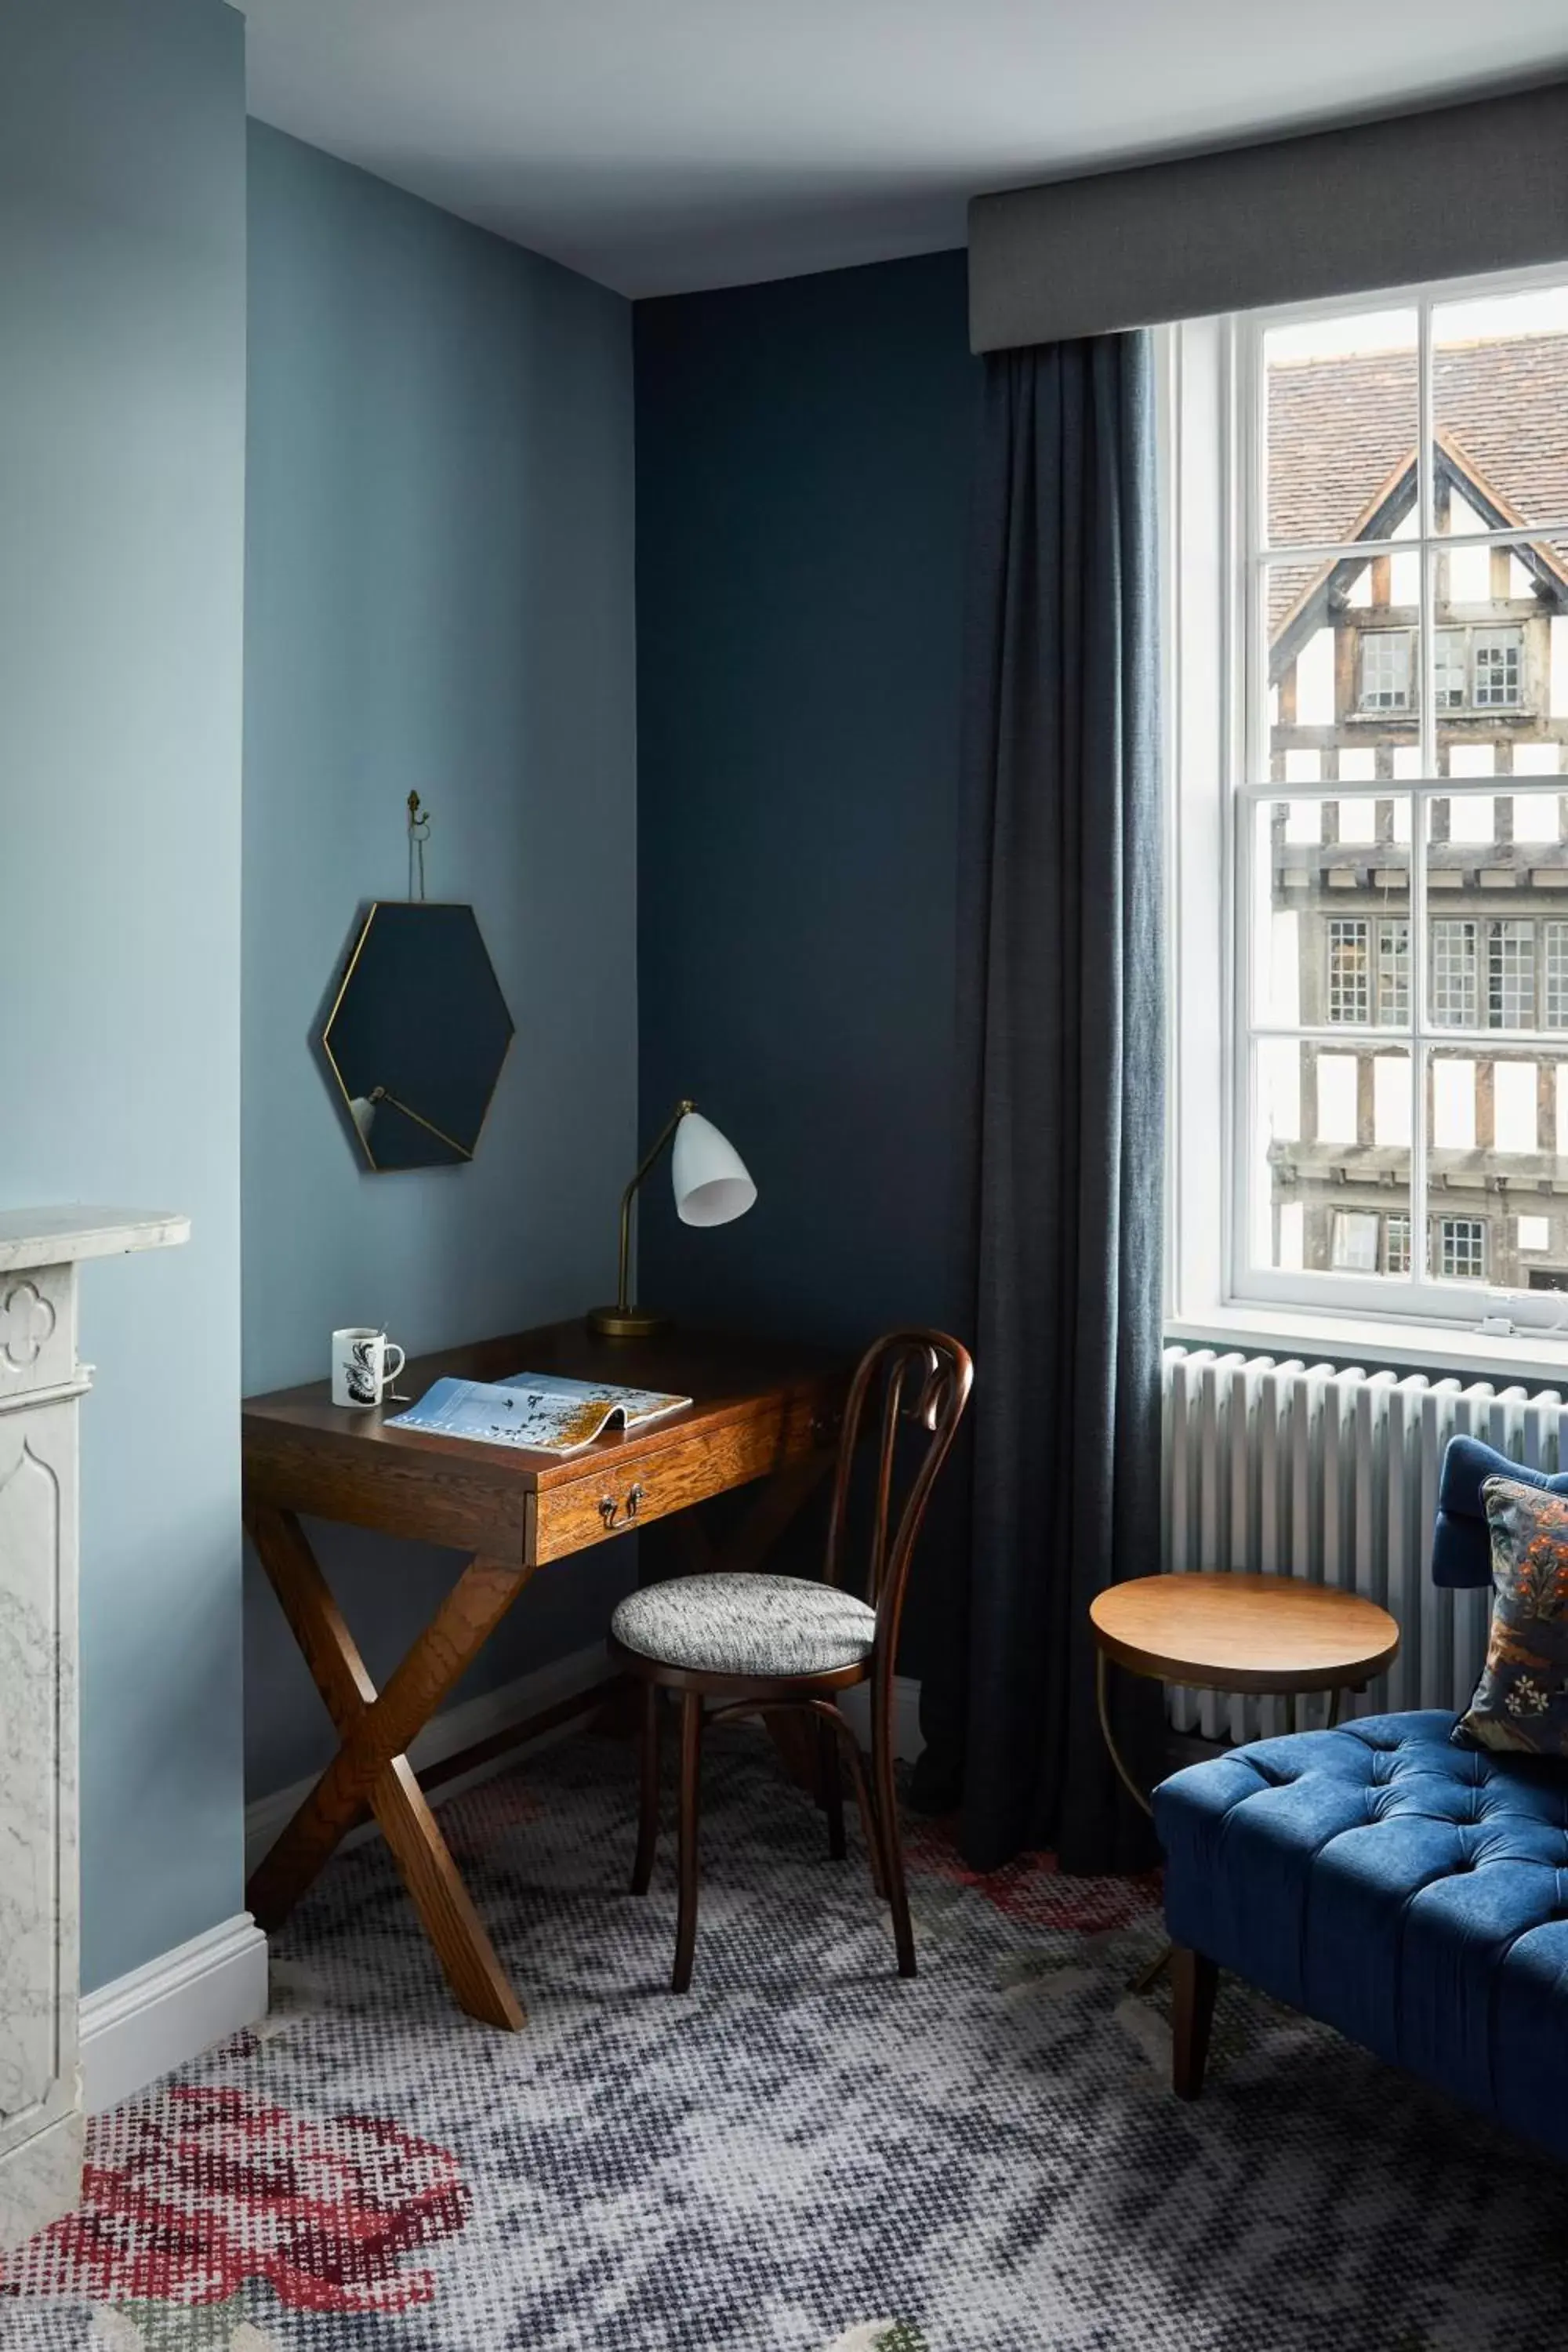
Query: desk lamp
(712, 1188)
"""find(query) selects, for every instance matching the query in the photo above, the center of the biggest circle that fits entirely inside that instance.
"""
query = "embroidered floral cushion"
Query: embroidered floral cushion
(1521, 1699)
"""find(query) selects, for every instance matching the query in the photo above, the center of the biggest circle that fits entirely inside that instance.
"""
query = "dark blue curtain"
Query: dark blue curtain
(1063, 1050)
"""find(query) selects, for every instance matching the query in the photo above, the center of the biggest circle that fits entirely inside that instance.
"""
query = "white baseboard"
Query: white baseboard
(458, 1728)
(144, 2024)
(160, 2016)
(907, 1739)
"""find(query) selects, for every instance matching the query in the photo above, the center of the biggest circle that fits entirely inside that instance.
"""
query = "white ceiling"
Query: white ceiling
(666, 144)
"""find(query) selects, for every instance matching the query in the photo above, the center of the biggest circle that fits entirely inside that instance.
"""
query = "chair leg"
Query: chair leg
(691, 1787)
(869, 1827)
(831, 1781)
(648, 1804)
(1195, 1981)
(888, 1823)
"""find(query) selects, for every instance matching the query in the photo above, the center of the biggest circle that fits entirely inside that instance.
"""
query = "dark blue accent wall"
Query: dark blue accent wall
(803, 458)
(803, 464)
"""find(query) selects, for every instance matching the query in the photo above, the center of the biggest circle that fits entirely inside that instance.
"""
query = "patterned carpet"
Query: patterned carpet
(802, 2154)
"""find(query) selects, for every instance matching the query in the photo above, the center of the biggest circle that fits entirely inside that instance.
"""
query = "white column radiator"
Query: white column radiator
(1305, 1471)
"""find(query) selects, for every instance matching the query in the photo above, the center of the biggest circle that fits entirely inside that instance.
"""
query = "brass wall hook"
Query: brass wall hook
(418, 835)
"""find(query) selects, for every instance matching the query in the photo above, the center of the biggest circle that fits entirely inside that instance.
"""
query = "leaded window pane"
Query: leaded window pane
(1511, 976)
(1386, 669)
(1450, 654)
(1393, 971)
(1349, 992)
(1453, 974)
(1461, 1249)
(1554, 942)
(1496, 662)
(1354, 1249)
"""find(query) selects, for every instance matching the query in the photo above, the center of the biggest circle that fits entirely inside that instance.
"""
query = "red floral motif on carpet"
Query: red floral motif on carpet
(1034, 1889)
(189, 2200)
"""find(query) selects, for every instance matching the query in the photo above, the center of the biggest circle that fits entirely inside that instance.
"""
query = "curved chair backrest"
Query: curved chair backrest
(1461, 1541)
(919, 1377)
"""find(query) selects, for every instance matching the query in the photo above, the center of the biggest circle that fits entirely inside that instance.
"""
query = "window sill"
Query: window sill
(1443, 1348)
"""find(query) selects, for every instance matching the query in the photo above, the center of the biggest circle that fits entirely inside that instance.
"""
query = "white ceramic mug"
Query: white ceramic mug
(363, 1366)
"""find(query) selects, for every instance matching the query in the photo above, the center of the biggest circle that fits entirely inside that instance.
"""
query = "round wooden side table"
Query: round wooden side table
(1269, 1635)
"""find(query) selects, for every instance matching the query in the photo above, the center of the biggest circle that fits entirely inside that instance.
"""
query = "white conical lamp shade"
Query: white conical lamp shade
(712, 1185)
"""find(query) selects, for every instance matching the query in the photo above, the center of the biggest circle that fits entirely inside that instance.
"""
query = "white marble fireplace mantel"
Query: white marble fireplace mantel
(41, 1382)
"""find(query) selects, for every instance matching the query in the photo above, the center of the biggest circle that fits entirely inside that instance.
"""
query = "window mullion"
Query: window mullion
(1248, 639)
(1316, 552)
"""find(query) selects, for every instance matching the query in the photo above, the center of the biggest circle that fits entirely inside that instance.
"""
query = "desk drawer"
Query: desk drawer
(594, 1509)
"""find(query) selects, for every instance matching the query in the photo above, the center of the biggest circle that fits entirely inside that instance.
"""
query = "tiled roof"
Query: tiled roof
(1343, 431)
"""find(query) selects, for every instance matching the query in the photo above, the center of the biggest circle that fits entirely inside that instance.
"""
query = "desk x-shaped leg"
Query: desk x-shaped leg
(370, 1767)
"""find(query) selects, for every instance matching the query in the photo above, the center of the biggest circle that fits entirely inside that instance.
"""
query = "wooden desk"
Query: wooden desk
(759, 1413)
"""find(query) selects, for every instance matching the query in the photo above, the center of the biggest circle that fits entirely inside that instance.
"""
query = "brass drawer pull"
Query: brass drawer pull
(609, 1508)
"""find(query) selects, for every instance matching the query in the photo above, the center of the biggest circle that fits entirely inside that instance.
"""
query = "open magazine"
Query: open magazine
(538, 1411)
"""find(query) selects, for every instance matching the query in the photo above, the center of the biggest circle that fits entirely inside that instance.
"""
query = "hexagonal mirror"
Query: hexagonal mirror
(416, 1035)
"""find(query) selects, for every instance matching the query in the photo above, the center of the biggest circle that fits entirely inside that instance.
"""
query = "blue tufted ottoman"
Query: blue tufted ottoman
(1412, 1894)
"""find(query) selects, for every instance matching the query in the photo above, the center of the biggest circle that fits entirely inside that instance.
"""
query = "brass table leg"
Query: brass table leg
(1102, 1701)
(1161, 1959)
(1156, 1967)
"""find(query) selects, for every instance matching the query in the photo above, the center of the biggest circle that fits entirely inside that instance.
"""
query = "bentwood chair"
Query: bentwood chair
(732, 1645)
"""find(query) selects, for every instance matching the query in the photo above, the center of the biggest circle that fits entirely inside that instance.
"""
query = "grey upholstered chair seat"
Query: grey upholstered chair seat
(763, 1625)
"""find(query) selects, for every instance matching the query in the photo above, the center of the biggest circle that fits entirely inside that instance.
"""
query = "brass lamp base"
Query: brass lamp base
(624, 1323)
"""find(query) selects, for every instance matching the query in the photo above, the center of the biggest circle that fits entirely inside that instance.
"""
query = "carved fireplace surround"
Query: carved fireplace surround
(41, 1383)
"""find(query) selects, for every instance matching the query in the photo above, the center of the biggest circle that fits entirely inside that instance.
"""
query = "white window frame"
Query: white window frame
(1212, 493)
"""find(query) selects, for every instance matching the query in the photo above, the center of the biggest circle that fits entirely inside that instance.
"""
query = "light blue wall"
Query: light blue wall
(122, 484)
(439, 596)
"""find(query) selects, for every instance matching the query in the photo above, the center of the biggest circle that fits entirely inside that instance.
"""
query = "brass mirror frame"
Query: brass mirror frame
(466, 1153)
